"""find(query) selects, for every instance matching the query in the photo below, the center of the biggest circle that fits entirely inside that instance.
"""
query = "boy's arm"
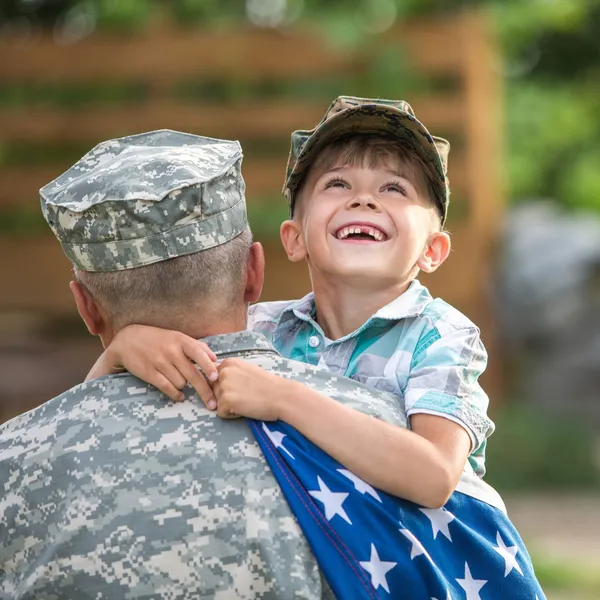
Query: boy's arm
(423, 465)
(163, 358)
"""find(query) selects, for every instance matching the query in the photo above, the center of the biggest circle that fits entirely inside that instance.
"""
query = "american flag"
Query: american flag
(372, 545)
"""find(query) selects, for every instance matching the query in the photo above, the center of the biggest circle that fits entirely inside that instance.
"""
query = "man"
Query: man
(109, 490)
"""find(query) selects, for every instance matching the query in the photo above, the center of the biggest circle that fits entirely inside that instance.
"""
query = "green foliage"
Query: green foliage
(583, 581)
(530, 450)
(553, 140)
(123, 14)
(551, 58)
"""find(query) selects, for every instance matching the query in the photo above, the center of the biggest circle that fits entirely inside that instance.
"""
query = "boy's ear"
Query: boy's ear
(292, 240)
(88, 309)
(435, 253)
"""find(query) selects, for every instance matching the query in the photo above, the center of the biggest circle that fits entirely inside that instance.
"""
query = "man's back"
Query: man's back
(109, 491)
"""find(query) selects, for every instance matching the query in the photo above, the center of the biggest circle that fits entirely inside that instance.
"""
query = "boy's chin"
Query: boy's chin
(364, 276)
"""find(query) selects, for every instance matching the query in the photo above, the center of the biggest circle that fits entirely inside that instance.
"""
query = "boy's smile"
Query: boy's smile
(361, 232)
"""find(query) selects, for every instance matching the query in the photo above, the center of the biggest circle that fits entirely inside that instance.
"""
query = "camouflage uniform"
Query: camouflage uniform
(111, 491)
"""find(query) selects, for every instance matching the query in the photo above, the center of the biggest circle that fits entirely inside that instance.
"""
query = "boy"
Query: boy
(368, 199)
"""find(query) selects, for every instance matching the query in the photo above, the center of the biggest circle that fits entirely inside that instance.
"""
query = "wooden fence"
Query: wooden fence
(33, 271)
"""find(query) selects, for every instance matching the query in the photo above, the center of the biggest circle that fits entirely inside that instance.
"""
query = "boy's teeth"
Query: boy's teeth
(342, 234)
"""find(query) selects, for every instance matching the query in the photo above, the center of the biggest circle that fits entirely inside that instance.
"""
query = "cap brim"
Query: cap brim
(376, 119)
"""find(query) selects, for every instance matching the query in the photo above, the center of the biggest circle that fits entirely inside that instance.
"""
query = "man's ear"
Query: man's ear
(88, 309)
(292, 240)
(435, 253)
(255, 273)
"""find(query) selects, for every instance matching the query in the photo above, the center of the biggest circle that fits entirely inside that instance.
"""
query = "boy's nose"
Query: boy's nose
(364, 201)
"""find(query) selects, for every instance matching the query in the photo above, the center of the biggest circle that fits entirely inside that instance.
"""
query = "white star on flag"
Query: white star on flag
(277, 438)
(470, 585)
(509, 554)
(417, 548)
(359, 484)
(448, 596)
(332, 501)
(377, 568)
(440, 518)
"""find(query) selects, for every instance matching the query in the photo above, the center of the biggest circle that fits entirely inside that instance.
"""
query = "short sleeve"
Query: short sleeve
(444, 380)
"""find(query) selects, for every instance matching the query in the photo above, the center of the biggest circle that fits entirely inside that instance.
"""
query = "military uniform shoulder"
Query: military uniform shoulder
(92, 392)
(442, 313)
(268, 311)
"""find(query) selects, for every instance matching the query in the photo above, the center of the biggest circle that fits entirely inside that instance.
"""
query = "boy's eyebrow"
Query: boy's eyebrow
(399, 173)
(403, 173)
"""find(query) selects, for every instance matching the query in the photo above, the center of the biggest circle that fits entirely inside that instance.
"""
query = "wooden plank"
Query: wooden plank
(262, 119)
(483, 128)
(433, 46)
(264, 177)
(36, 278)
(167, 55)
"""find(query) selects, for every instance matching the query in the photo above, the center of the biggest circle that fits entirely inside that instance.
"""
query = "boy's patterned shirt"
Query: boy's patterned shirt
(420, 348)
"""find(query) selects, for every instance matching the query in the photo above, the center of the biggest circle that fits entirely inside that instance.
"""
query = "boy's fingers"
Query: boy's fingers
(173, 373)
(208, 351)
(199, 383)
(206, 394)
(227, 413)
(204, 357)
(159, 381)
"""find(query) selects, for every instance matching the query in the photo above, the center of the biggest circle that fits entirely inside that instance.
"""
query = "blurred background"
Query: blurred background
(514, 85)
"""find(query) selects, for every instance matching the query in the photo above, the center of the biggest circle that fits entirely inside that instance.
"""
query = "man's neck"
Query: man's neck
(196, 328)
(342, 309)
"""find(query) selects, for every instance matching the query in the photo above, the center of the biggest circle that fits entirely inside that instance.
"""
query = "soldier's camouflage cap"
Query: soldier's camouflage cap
(145, 198)
(348, 114)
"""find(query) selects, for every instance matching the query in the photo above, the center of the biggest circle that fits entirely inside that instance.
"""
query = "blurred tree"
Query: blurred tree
(550, 49)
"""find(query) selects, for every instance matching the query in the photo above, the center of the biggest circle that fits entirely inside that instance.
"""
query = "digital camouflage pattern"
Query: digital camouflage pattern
(145, 198)
(348, 114)
(112, 491)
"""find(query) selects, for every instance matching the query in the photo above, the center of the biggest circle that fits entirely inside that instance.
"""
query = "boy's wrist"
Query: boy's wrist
(111, 360)
(290, 400)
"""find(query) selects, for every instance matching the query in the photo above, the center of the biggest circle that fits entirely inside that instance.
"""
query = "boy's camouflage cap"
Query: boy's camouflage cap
(348, 114)
(145, 198)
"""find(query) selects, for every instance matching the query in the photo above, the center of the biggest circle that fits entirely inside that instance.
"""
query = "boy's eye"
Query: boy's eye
(336, 182)
(394, 186)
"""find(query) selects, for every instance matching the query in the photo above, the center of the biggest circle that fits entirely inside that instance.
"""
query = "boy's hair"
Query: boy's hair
(373, 150)
(164, 293)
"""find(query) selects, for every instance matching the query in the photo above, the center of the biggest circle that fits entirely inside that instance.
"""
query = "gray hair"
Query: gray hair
(163, 293)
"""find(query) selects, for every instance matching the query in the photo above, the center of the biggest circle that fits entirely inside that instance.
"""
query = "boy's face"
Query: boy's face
(371, 227)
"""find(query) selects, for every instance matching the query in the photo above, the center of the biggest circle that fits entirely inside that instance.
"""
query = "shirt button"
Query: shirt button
(313, 341)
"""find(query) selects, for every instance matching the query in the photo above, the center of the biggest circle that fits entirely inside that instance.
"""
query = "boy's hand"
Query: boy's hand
(246, 390)
(165, 359)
